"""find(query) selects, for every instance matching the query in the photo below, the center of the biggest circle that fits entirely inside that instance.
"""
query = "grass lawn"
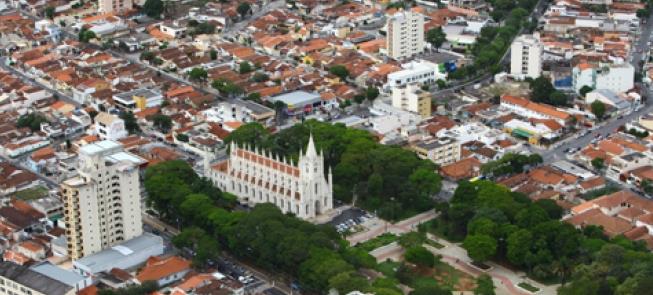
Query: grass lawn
(32, 193)
(434, 244)
(388, 268)
(528, 287)
(377, 242)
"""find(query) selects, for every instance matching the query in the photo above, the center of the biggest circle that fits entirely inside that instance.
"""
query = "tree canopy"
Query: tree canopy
(436, 37)
(340, 71)
(32, 121)
(153, 8)
(387, 179)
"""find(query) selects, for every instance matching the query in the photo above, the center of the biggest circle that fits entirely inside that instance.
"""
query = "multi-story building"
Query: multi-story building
(526, 57)
(615, 77)
(257, 177)
(115, 5)
(441, 151)
(413, 99)
(421, 71)
(138, 99)
(102, 204)
(405, 36)
(39, 279)
(109, 127)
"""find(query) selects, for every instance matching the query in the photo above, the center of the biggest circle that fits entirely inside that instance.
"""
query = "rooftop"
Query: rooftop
(25, 276)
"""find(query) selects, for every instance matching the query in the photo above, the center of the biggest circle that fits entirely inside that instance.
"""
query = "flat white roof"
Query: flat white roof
(98, 147)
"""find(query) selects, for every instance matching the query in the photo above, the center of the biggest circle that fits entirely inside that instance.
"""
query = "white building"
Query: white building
(257, 177)
(615, 77)
(138, 99)
(473, 131)
(441, 151)
(421, 71)
(103, 202)
(109, 127)
(526, 57)
(405, 36)
(413, 99)
(621, 102)
(114, 5)
(528, 109)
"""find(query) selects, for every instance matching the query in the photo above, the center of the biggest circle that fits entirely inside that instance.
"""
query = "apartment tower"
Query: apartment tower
(114, 5)
(413, 99)
(526, 57)
(102, 205)
(405, 34)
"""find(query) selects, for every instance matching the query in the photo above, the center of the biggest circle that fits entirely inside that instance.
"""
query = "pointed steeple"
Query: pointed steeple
(310, 150)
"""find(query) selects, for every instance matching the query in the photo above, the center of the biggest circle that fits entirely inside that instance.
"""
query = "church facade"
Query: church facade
(257, 177)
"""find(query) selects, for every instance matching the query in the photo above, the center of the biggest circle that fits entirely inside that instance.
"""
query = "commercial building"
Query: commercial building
(257, 177)
(615, 77)
(22, 280)
(405, 36)
(526, 108)
(621, 102)
(299, 101)
(413, 99)
(102, 203)
(441, 151)
(110, 127)
(114, 5)
(526, 57)
(126, 255)
(138, 99)
(423, 72)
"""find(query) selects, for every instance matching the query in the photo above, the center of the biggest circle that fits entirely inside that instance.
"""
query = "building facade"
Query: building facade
(102, 205)
(526, 57)
(442, 151)
(405, 35)
(257, 177)
(114, 5)
(615, 77)
(421, 71)
(413, 99)
(110, 127)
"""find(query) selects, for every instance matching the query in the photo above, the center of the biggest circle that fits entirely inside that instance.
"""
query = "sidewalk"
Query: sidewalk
(504, 279)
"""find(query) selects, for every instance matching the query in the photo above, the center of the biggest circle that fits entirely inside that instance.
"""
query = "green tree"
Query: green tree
(32, 121)
(518, 246)
(347, 282)
(484, 285)
(85, 35)
(162, 122)
(49, 12)
(245, 67)
(420, 256)
(198, 74)
(585, 90)
(153, 8)
(340, 71)
(260, 77)
(643, 13)
(436, 37)
(147, 55)
(254, 96)
(243, 9)
(480, 247)
(598, 109)
(430, 290)
(130, 122)
(557, 98)
(598, 163)
(371, 93)
(213, 54)
(647, 186)
(182, 137)
(541, 89)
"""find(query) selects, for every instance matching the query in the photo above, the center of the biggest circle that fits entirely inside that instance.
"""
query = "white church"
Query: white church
(259, 177)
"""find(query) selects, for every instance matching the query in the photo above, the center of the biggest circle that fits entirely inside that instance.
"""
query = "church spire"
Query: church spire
(310, 150)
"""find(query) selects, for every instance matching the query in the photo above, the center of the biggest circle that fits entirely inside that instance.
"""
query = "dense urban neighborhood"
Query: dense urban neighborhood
(341, 147)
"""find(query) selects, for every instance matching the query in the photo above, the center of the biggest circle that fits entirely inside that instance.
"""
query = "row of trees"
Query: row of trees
(509, 164)
(495, 223)
(281, 243)
(494, 41)
(387, 179)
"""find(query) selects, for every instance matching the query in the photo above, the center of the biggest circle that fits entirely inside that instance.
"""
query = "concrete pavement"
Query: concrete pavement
(401, 227)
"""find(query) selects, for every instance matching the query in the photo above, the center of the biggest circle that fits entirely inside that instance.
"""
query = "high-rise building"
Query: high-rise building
(413, 99)
(115, 5)
(257, 177)
(102, 205)
(526, 57)
(405, 34)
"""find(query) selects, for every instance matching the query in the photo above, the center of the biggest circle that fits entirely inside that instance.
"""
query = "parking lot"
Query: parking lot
(350, 218)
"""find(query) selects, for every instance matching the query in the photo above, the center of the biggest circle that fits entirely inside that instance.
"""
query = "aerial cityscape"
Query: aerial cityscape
(340, 147)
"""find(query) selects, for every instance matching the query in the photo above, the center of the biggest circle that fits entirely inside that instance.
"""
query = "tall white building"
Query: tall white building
(258, 177)
(102, 205)
(114, 5)
(526, 57)
(413, 99)
(405, 34)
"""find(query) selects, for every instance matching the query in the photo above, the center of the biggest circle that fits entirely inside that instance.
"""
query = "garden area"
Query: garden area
(33, 193)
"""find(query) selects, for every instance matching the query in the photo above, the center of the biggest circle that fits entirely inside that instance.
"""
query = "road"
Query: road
(42, 177)
(29, 80)
(581, 140)
(239, 26)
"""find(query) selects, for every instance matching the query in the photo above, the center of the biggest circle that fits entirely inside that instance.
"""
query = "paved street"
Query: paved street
(609, 127)
(29, 80)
